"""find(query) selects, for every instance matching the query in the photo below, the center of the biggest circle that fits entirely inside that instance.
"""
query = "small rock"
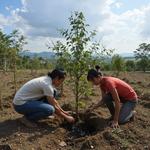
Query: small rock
(38, 134)
(146, 147)
(92, 146)
(32, 134)
(62, 144)
(18, 134)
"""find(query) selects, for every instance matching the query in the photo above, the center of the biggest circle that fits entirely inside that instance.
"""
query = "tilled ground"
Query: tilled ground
(91, 132)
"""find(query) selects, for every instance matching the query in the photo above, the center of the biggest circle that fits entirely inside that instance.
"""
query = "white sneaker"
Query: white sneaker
(51, 117)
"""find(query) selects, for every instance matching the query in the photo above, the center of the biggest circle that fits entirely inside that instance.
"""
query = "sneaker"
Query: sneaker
(27, 122)
(133, 115)
(51, 117)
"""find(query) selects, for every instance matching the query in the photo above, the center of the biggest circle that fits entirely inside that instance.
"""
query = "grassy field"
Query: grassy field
(57, 135)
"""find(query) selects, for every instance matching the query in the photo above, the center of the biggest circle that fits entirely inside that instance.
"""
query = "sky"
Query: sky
(120, 24)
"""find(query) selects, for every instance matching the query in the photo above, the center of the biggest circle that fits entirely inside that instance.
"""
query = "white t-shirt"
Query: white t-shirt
(34, 90)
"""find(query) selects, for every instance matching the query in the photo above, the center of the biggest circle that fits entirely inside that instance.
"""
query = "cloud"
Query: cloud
(146, 23)
(40, 43)
(40, 20)
(118, 4)
(3, 21)
(44, 18)
(127, 30)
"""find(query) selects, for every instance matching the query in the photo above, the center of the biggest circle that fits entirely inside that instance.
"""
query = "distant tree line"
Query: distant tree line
(140, 61)
(12, 45)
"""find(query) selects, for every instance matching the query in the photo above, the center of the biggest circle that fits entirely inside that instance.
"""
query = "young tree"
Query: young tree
(143, 55)
(35, 64)
(118, 64)
(130, 65)
(4, 50)
(10, 46)
(75, 54)
(17, 42)
(25, 60)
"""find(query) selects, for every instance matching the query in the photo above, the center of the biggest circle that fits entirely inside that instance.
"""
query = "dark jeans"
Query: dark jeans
(126, 111)
(35, 110)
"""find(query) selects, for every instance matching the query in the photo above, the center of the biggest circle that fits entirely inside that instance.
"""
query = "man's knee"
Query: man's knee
(50, 110)
(123, 119)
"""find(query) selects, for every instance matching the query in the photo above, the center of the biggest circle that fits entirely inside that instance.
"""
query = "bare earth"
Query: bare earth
(91, 133)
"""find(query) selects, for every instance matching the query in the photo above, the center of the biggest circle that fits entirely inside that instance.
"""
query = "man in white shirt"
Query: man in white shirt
(35, 99)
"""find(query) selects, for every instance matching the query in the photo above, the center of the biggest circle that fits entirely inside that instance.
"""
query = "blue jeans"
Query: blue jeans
(126, 111)
(35, 110)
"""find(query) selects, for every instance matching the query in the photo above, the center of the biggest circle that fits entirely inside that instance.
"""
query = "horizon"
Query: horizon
(28, 53)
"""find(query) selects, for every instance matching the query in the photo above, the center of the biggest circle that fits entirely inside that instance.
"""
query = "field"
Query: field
(92, 133)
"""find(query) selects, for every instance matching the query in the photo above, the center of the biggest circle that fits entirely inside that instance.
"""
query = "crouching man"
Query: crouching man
(119, 97)
(35, 99)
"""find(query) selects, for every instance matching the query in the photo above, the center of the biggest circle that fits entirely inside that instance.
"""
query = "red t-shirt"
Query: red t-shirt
(125, 91)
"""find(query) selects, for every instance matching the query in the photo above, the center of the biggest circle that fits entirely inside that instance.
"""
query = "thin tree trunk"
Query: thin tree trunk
(32, 69)
(1, 93)
(15, 82)
(0, 98)
(5, 65)
(77, 97)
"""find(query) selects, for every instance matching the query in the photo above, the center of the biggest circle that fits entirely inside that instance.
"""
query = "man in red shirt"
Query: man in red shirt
(119, 97)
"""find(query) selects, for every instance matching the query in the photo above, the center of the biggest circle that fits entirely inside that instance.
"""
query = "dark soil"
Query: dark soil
(90, 132)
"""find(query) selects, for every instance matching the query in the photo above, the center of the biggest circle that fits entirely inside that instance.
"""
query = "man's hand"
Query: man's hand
(68, 113)
(70, 119)
(114, 124)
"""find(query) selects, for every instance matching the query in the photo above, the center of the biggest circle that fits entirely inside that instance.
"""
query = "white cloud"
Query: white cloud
(40, 43)
(118, 4)
(40, 19)
(146, 23)
(3, 21)
(43, 18)
(38, 24)
(124, 32)
(7, 8)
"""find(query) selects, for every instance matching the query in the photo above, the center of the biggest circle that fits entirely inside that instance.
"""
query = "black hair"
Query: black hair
(92, 73)
(57, 73)
(97, 67)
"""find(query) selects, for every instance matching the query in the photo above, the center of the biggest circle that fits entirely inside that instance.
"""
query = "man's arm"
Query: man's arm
(59, 110)
(117, 104)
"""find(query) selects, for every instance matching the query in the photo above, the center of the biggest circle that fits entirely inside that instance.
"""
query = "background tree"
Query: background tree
(35, 65)
(17, 42)
(130, 65)
(26, 62)
(4, 50)
(118, 64)
(10, 46)
(142, 54)
(4, 45)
